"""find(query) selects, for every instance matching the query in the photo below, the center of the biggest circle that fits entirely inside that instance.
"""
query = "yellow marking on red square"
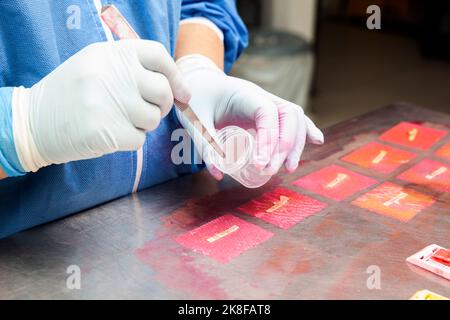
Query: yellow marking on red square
(379, 157)
(413, 135)
(394, 201)
(429, 173)
(224, 238)
(282, 207)
(335, 182)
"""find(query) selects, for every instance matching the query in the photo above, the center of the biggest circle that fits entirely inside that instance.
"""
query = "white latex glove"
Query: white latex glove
(101, 100)
(220, 100)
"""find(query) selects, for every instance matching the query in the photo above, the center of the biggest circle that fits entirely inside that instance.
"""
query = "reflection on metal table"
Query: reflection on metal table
(140, 246)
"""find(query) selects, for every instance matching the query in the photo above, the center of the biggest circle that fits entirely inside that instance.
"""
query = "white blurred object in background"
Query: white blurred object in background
(280, 62)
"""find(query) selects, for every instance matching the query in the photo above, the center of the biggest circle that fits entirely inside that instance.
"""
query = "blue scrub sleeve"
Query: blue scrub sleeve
(9, 160)
(224, 14)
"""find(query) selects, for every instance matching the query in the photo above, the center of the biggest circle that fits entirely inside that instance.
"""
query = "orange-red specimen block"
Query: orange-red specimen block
(442, 256)
(379, 157)
(224, 238)
(413, 135)
(444, 151)
(394, 201)
(282, 207)
(429, 173)
(335, 182)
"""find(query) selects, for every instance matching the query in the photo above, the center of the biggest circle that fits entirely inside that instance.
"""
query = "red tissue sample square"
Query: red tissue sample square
(335, 182)
(429, 173)
(282, 207)
(379, 157)
(442, 256)
(444, 151)
(394, 201)
(413, 135)
(224, 238)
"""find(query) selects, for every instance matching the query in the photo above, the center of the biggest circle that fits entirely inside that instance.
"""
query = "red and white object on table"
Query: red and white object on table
(433, 258)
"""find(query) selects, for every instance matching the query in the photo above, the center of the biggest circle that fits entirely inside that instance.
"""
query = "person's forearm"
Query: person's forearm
(196, 38)
(2, 174)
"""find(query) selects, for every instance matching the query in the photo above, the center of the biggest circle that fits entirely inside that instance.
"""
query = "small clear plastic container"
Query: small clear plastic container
(240, 150)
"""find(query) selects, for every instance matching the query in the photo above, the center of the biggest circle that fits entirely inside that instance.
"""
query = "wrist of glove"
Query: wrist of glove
(101, 100)
(282, 129)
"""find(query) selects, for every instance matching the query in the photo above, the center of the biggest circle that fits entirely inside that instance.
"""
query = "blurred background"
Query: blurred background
(321, 55)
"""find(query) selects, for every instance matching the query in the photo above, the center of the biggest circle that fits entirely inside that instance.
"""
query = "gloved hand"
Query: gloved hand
(101, 100)
(220, 100)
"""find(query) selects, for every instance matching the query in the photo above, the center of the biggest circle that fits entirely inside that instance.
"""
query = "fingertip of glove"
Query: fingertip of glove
(181, 90)
(291, 167)
(317, 137)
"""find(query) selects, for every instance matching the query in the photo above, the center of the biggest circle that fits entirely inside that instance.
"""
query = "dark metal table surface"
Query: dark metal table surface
(127, 248)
